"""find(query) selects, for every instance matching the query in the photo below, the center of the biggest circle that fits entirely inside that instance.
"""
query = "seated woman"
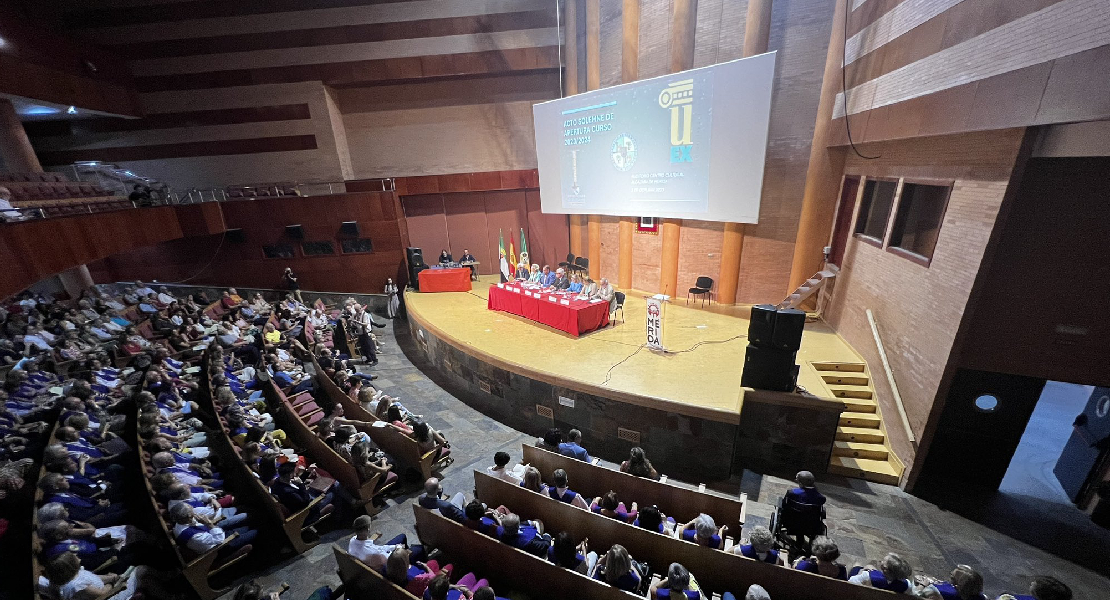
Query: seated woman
(534, 274)
(893, 575)
(675, 585)
(760, 546)
(638, 465)
(66, 579)
(397, 571)
(533, 481)
(394, 417)
(481, 519)
(370, 462)
(652, 519)
(703, 532)
(560, 490)
(964, 583)
(575, 283)
(566, 554)
(615, 568)
(823, 561)
(430, 440)
(609, 506)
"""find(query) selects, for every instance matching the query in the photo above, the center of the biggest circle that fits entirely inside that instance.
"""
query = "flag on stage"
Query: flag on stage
(523, 248)
(512, 256)
(501, 253)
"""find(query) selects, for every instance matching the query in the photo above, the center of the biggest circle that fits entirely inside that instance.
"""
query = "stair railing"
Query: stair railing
(890, 378)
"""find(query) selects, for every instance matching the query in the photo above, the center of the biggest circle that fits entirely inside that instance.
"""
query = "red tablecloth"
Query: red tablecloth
(445, 280)
(575, 317)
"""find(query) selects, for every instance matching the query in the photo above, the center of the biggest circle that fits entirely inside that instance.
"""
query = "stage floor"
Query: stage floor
(698, 376)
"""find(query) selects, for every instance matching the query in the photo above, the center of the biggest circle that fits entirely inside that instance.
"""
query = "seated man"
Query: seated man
(432, 498)
(572, 449)
(366, 549)
(561, 282)
(501, 469)
(527, 536)
(607, 293)
(560, 490)
(205, 505)
(199, 535)
(806, 492)
(294, 494)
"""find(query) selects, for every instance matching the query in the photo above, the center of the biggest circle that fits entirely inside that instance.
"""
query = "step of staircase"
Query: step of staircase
(851, 391)
(859, 419)
(860, 434)
(838, 379)
(879, 471)
(859, 405)
(861, 450)
(840, 367)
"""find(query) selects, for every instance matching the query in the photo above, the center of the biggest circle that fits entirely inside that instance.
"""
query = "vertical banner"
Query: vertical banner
(654, 323)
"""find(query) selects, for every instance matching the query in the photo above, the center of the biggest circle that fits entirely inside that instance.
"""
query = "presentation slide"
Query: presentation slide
(688, 145)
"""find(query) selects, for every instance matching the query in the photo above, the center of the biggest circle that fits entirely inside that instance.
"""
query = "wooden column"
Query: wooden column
(630, 38)
(624, 252)
(593, 44)
(577, 235)
(594, 228)
(570, 46)
(826, 165)
(683, 28)
(668, 264)
(757, 33)
(15, 148)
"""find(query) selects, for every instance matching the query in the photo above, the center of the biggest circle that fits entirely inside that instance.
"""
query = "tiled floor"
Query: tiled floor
(865, 519)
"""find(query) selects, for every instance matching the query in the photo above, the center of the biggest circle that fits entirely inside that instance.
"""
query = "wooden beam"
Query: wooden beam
(630, 41)
(624, 252)
(593, 44)
(570, 45)
(683, 29)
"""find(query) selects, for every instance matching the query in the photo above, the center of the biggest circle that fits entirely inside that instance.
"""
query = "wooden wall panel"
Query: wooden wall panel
(466, 226)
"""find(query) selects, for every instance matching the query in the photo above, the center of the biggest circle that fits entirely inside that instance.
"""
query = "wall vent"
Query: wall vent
(544, 411)
(484, 386)
(628, 435)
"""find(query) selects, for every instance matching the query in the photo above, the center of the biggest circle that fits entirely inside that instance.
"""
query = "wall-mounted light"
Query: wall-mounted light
(72, 110)
(3, 42)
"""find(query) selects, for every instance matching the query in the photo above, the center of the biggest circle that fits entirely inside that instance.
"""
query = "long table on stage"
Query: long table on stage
(560, 310)
(445, 280)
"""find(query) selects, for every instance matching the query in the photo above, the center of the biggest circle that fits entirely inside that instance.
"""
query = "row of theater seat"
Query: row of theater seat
(32, 177)
(28, 191)
(262, 191)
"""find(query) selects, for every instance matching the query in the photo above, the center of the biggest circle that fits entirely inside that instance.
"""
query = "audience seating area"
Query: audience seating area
(55, 195)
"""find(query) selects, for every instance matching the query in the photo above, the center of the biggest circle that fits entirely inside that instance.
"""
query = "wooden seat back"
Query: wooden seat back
(360, 582)
(502, 563)
(716, 571)
(681, 503)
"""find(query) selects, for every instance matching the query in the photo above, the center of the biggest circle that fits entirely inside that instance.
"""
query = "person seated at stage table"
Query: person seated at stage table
(445, 257)
(466, 257)
(823, 561)
(589, 288)
(609, 506)
(607, 293)
(704, 532)
(561, 491)
(964, 583)
(760, 546)
(638, 465)
(547, 278)
(534, 275)
(522, 272)
(571, 447)
(565, 553)
(561, 282)
(893, 575)
(1043, 588)
(675, 585)
(575, 283)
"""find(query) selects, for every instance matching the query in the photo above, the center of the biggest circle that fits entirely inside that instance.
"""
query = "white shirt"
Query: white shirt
(203, 541)
(369, 552)
(165, 298)
(504, 474)
(70, 589)
(205, 511)
(144, 291)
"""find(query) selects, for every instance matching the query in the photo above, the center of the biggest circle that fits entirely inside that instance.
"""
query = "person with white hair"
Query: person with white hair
(893, 575)
(561, 281)
(704, 532)
(760, 546)
(7, 211)
(965, 583)
(677, 584)
(606, 292)
(806, 492)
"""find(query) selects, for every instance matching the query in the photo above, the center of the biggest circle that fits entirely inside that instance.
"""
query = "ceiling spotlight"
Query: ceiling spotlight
(72, 110)
(3, 42)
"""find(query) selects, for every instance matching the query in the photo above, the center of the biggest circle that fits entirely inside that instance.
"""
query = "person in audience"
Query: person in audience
(366, 549)
(66, 579)
(527, 536)
(440, 588)
(532, 480)
(616, 569)
(610, 506)
(572, 447)
(704, 532)
(638, 465)
(755, 592)
(565, 553)
(675, 585)
(397, 571)
(964, 583)
(7, 211)
(433, 499)
(199, 535)
(481, 519)
(560, 490)
(760, 546)
(500, 468)
(823, 561)
(652, 519)
(551, 439)
(428, 439)
(1043, 588)
(893, 575)
(294, 494)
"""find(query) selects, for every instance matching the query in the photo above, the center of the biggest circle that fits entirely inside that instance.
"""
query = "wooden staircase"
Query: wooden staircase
(861, 449)
(810, 287)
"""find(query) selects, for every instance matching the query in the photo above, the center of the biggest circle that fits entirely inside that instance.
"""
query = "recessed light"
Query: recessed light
(72, 110)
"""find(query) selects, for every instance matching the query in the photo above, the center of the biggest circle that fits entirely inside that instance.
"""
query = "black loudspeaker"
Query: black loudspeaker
(415, 256)
(294, 231)
(789, 323)
(349, 228)
(414, 275)
(762, 326)
(769, 369)
(236, 235)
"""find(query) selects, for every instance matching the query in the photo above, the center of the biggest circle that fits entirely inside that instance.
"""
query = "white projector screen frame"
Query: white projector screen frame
(591, 150)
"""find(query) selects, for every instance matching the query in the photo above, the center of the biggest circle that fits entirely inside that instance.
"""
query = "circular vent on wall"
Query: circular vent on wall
(986, 403)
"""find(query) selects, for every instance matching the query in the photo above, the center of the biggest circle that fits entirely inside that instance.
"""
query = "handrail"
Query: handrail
(890, 377)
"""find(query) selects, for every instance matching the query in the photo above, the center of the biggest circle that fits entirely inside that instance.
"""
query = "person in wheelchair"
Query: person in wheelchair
(823, 561)
(801, 515)
(806, 492)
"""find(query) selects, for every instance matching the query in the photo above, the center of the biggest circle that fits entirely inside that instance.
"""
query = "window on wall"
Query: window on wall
(356, 246)
(874, 209)
(318, 248)
(918, 219)
(278, 251)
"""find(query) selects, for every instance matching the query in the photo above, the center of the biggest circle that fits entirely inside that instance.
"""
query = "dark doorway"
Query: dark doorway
(844, 210)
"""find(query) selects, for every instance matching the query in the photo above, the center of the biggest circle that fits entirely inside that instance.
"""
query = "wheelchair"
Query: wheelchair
(794, 525)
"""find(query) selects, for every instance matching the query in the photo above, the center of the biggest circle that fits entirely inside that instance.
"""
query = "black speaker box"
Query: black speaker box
(349, 228)
(789, 323)
(414, 275)
(236, 236)
(769, 369)
(294, 231)
(762, 326)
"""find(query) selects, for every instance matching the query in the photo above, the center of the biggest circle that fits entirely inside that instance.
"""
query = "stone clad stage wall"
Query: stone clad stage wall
(775, 436)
